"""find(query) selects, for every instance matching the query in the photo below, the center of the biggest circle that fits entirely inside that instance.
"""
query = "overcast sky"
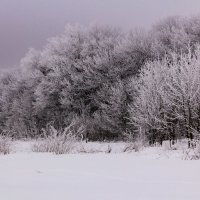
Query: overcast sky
(28, 23)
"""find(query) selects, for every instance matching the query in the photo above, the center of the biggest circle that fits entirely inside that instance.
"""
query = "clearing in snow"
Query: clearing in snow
(141, 176)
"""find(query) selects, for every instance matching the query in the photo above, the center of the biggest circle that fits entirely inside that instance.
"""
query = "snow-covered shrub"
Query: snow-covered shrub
(196, 152)
(5, 145)
(133, 146)
(57, 142)
(192, 153)
(168, 145)
(133, 143)
(95, 148)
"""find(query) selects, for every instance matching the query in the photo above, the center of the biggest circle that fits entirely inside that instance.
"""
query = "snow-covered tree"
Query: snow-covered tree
(167, 102)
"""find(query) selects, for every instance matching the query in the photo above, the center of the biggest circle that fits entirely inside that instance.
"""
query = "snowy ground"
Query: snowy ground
(149, 175)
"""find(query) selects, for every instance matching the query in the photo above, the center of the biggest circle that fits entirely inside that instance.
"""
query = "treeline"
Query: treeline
(110, 82)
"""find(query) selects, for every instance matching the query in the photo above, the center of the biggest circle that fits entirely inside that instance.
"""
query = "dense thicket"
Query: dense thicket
(109, 81)
(167, 105)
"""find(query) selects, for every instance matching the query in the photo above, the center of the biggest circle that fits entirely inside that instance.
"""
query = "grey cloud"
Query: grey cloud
(28, 23)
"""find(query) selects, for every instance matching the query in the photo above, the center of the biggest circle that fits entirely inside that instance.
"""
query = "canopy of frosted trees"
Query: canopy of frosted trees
(110, 82)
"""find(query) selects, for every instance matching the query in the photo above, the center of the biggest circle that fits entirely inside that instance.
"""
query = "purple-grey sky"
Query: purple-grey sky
(28, 23)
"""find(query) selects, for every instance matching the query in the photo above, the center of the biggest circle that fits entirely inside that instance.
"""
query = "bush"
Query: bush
(134, 143)
(95, 148)
(133, 146)
(192, 153)
(59, 142)
(5, 145)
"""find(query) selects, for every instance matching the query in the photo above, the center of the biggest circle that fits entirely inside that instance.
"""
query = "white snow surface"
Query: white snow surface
(148, 175)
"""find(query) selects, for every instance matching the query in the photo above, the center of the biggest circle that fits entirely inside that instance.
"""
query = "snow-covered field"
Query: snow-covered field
(148, 175)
